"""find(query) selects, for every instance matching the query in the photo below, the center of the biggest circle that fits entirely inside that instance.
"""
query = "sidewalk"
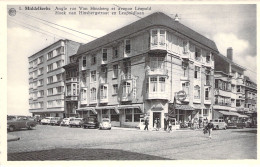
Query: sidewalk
(153, 130)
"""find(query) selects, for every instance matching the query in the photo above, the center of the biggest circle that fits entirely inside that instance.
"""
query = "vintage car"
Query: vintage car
(55, 121)
(219, 124)
(76, 122)
(20, 122)
(66, 121)
(46, 121)
(105, 124)
(90, 122)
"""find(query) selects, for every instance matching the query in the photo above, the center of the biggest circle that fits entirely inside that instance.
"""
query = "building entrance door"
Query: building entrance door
(156, 115)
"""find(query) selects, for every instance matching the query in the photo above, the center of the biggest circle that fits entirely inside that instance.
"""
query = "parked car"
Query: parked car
(90, 122)
(55, 121)
(231, 125)
(105, 124)
(77, 122)
(66, 121)
(46, 121)
(219, 124)
(19, 122)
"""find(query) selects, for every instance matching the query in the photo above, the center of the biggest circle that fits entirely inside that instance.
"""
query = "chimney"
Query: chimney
(176, 18)
(230, 53)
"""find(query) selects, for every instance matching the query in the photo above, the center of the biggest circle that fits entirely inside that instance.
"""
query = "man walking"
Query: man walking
(210, 126)
(146, 122)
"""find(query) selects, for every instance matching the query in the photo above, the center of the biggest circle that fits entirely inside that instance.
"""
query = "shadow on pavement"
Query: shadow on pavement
(246, 131)
(80, 154)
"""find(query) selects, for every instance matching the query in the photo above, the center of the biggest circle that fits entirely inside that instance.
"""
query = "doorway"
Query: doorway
(155, 116)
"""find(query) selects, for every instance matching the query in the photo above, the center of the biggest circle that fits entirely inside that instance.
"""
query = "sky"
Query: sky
(227, 25)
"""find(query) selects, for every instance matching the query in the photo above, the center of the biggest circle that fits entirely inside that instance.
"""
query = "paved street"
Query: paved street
(63, 143)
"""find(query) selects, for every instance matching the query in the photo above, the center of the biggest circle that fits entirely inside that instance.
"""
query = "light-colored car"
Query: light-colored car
(76, 122)
(20, 122)
(46, 121)
(219, 124)
(141, 124)
(66, 121)
(55, 121)
(105, 124)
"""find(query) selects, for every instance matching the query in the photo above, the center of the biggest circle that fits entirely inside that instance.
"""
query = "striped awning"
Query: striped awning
(184, 107)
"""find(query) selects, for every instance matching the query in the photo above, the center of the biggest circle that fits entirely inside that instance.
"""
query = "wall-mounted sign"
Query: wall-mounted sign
(181, 95)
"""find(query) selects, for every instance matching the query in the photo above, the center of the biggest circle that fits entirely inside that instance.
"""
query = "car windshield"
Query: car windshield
(105, 120)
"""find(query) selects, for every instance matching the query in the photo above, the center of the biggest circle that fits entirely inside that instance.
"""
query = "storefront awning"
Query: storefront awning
(107, 107)
(87, 109)
(184, 107)
(229, 113)
(139, 106)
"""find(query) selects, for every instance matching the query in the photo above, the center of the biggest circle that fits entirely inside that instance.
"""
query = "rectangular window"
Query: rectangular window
(59, 89)
(41, 71)
(50, 80)
(41, 104)
(50, 67)
(114, 116)
(127, 69)
(162, 37)
(60, 50)
(153, 84)
(84, 61)
(58, 63)
(185, 88)
(84, 94)
(93, 76)
(74, 89)
(105, 113)
(93, 59)
(185, 47)
(103, 92)
(154, 37)
(104, 53)
(115, 89)
(238, 89)
(197, 54)
(41, 93)
(238, 104)
(208, 57)
(50, 103)
(162, 84)
(196, 92)
(59, 77)
(127, 46)
(68, 90)
(93, 94)
(128, 115)
(126, 89)
(207, 94)
(185, 67)
(41, 59)
(115, 52)
(50, 91)
(41, 82)
(197, 72)
(115, 71)
(50, 55)
(137, 114)
(156, 62)
(205, 112)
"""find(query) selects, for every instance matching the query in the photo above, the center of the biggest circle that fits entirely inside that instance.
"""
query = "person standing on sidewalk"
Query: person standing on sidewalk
(146, 123)
(210, 127)
(170, 126)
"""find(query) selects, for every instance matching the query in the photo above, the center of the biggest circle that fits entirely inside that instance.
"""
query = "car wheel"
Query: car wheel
(11, 128)
(225, 128)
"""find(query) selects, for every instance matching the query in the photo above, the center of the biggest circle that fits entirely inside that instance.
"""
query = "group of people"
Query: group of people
(168, 125)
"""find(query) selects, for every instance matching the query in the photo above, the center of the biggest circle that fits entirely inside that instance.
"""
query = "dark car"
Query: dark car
(55, 121)
(90, 122)
(20, 122)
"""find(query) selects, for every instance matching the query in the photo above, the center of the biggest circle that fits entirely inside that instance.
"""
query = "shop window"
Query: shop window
(137, 114)
(114, 116)
(105, 113)
(128, 115)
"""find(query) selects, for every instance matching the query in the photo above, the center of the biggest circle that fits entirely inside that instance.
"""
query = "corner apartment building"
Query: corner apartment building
(251, 99)
(46, 78)
(229, 87)
(143, 69)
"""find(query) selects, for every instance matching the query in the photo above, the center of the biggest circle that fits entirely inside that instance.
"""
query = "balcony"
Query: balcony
(222, 106)
(127, 97)
(159, 46)
(71, 98)
(157, 95)
(222, 93)
(158, 71)
(71, 79)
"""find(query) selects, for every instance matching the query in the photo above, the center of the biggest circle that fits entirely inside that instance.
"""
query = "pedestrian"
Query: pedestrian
(210, 127)
(146, 123)
(165, 123)
(170, 126)
(157, 124)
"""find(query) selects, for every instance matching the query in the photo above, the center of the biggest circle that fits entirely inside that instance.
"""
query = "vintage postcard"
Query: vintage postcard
(115, 82)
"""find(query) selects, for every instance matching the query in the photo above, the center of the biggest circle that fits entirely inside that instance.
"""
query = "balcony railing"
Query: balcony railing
(158, 46)
(71, 98)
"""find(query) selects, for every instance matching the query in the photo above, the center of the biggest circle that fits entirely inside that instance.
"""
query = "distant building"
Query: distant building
(229, 87)
(146, 69)
(46, 78)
